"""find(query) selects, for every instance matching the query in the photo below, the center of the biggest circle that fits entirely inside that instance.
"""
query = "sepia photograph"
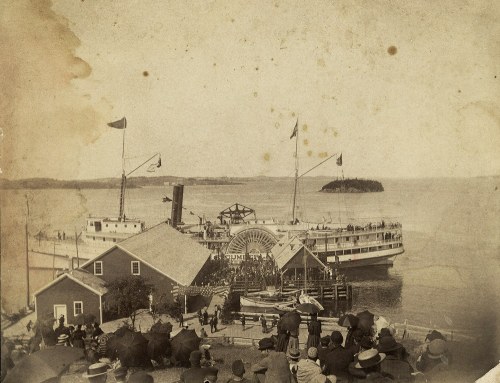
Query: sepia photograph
(250, 191)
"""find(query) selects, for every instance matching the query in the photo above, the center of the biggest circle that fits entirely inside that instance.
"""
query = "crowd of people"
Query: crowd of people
(361, 355)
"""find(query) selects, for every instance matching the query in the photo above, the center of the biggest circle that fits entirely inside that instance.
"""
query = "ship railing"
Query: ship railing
(350, 245)
(319, 234)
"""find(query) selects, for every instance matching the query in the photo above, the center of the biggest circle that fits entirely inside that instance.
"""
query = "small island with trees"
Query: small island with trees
(352, 185)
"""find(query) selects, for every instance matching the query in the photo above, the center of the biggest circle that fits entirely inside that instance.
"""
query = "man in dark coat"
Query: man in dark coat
(338, 358)
(97, 331)
(274, 367)
(435, 359)
(282, 342)
(395, 364)
(78, 337)
(369, 362)
(196, 373)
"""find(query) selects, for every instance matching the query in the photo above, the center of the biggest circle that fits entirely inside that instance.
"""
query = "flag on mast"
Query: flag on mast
(120, 124)
(339, 160)
(295, 130)
(152, 167)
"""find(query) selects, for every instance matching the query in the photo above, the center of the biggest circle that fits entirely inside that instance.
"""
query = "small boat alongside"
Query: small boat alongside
(267, 301)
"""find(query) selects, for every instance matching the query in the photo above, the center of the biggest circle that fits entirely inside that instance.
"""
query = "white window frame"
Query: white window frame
(95, 271)
(138, 267)
(74, 308)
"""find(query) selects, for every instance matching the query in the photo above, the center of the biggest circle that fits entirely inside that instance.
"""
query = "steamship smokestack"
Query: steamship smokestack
(177, 197)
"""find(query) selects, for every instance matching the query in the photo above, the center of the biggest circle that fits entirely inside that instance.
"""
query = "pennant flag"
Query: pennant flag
(295, 130)
(152, 167)
(120, 124)
(339, 160)
(166, 199)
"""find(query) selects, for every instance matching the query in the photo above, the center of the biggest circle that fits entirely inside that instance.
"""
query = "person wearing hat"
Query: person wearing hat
(196, 373)
(62, 340)
(121, 374)
(395, 363)
(369, 362)
(79, 337)
(355, 344)
(365, 344)
(238, 370)
(274, 366)
(323, 349)
(293, 358)
(314, 332)
(96, 373)
(97, 331)
(308, 370)
(338, 358)
(435, 359)
(140, 377)
(283, 336)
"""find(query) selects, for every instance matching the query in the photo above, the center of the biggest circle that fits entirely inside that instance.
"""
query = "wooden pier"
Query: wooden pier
(324, 289)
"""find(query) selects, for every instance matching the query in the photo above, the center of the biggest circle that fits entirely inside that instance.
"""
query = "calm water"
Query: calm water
(447, 277)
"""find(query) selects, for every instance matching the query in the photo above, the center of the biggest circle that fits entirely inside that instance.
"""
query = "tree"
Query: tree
(128, 295)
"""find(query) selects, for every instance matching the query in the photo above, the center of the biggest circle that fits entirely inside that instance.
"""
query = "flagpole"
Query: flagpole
(296, 170)
(124, 180)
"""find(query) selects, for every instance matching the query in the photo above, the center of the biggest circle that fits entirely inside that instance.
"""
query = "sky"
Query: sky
(400, 88)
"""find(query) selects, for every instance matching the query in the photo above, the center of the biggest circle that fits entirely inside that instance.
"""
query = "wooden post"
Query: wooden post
(185, 304)
(336, 287)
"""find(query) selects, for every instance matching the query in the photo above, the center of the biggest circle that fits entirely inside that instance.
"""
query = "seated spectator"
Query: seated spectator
(365, 344)
(196, 373)
(369, 362)
(435, 359)
(395, 363)
(308, 370)
(238, 370)
(338, 358)
(274, 367)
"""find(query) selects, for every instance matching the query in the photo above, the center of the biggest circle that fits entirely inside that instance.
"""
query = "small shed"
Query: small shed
(292, 254)
(72, 293)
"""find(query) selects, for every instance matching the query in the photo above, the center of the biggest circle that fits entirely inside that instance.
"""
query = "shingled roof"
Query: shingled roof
(82, 277)
(290, 254)
(171, 252)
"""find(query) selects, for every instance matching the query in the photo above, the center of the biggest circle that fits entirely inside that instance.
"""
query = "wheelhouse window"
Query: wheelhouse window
(77, 308)
(136, 268)
(98, 268)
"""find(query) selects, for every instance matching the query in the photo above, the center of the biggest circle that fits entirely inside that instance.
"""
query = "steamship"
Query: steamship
(105, 230)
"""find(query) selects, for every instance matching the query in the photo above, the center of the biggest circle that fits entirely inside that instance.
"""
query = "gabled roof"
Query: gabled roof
(82, 277)
(290, 253)
(170, 252)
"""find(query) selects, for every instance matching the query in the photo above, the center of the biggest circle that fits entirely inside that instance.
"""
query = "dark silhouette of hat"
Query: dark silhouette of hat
(337, 337)
(369, 358)
(434, 334)
(238, 368)
(384, 332)
(266, 344)
(195, 356)
(325, 341)
(388, 344)
(366, 342)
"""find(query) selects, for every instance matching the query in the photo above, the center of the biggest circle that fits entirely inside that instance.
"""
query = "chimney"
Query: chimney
(177, 197)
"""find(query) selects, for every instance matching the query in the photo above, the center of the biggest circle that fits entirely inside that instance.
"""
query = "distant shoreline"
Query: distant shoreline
(112, 183)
